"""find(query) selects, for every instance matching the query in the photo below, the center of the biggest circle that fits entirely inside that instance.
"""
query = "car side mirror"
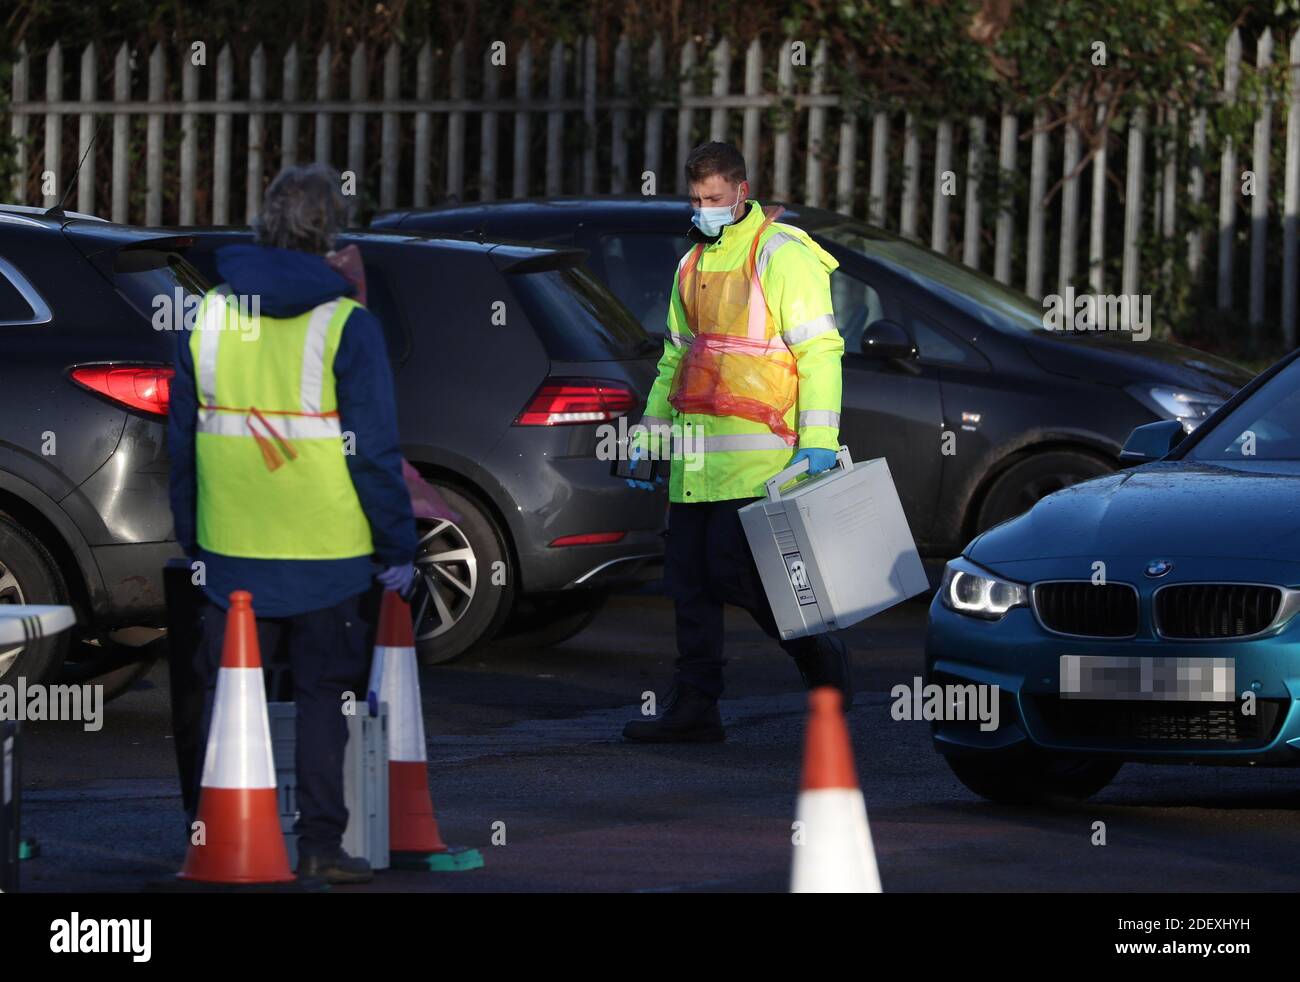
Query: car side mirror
(1152, 441)
(886, 340)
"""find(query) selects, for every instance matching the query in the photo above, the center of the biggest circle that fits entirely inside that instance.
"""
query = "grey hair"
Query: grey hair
(303, 209)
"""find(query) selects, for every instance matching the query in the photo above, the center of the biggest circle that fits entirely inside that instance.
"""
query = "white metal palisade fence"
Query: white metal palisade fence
(423, 136)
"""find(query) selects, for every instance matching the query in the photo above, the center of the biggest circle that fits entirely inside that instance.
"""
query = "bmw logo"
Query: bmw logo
(1158, 567)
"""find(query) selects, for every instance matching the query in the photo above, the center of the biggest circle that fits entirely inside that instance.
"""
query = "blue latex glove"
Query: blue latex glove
(633, 458)
(818, 459)
(398, 578)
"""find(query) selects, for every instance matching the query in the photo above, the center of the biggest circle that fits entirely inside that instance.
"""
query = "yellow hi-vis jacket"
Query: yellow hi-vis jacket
(273, 480)
(715, 458)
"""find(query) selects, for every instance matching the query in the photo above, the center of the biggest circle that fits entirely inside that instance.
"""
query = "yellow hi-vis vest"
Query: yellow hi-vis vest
(719, 457)
(738, 363)
(273, 481)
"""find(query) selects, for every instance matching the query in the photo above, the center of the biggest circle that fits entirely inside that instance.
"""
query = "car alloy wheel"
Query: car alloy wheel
(29, 575)
(465, 587)
(11, 592)
(448, 573)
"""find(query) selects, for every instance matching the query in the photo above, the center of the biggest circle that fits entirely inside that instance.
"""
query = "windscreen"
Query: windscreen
(1265, 426)
(577, 319)
(977, 294)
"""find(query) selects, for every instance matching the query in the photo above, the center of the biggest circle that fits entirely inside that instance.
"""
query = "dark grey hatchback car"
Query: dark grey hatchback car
(507, 359)
(949, 374)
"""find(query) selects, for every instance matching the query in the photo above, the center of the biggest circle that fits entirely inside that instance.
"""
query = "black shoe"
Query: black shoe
(689, 716)
(339, 868)
(828, 664)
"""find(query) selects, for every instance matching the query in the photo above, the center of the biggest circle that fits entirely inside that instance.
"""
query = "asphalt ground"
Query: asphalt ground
(531, 739)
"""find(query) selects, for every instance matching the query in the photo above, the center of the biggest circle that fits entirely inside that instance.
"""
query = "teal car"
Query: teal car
(1147, 615)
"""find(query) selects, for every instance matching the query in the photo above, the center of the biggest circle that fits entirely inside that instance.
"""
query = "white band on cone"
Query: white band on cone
(835, 854)
(239, 740)
(395, 679)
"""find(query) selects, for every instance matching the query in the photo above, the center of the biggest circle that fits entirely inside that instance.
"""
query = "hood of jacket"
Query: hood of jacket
(288, 282)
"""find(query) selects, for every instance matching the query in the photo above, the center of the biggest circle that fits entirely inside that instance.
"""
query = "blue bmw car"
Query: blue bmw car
(1147, 615)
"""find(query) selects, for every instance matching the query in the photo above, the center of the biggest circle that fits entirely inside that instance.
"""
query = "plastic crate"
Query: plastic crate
(365, 781)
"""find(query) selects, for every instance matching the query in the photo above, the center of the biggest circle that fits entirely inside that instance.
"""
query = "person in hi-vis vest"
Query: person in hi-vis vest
(286, 481)
(749, 383)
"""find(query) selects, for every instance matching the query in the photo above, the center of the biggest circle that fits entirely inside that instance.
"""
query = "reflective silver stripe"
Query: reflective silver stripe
(734, 441)
(213, 323)
(818, 417)
(653, 421)
(674, 336)
(809, 329)
(313, 356)
(769, 247)
(225, 423)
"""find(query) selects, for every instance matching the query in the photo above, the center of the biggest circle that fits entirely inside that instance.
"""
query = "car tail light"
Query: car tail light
(143, 387)
(589, 539)
(565, 401)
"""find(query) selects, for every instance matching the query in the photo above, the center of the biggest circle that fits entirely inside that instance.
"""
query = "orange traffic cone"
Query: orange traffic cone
(833, 852)
(242, 842)
(413, 838)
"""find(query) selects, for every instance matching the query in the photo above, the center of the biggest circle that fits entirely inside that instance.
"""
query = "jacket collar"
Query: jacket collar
(744, 229)
(289, 282)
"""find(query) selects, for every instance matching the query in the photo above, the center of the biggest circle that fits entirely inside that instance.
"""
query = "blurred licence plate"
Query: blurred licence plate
(1160, 679)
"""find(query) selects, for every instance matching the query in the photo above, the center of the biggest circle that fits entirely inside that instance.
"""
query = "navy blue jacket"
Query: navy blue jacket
(290, 283)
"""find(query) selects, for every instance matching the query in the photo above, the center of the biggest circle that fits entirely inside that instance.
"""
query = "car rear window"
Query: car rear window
(577, 319)
(149, 277)
(639, 268)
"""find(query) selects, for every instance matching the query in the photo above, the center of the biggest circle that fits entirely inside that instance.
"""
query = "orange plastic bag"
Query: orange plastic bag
(726, 375)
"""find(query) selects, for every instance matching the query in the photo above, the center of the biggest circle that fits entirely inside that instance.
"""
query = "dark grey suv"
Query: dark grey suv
(84, 517)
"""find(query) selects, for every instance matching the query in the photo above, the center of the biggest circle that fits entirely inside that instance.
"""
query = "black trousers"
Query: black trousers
(707, 564)
(327, 653)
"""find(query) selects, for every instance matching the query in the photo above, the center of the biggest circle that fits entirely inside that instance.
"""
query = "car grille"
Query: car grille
(1215, 610)
(1081, 607)
(1103, 721)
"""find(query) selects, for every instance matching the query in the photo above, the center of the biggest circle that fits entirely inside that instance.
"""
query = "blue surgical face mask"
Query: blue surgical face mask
(711, 221)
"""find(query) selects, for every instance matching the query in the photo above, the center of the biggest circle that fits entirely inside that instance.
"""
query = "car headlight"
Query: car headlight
(967, 589)
(1185, 405)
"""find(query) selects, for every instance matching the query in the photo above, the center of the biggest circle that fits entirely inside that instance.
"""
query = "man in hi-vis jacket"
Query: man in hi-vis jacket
(749, 383)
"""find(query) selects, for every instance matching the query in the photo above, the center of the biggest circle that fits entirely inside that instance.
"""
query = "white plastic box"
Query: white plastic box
(835, 548)
(365, 781)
